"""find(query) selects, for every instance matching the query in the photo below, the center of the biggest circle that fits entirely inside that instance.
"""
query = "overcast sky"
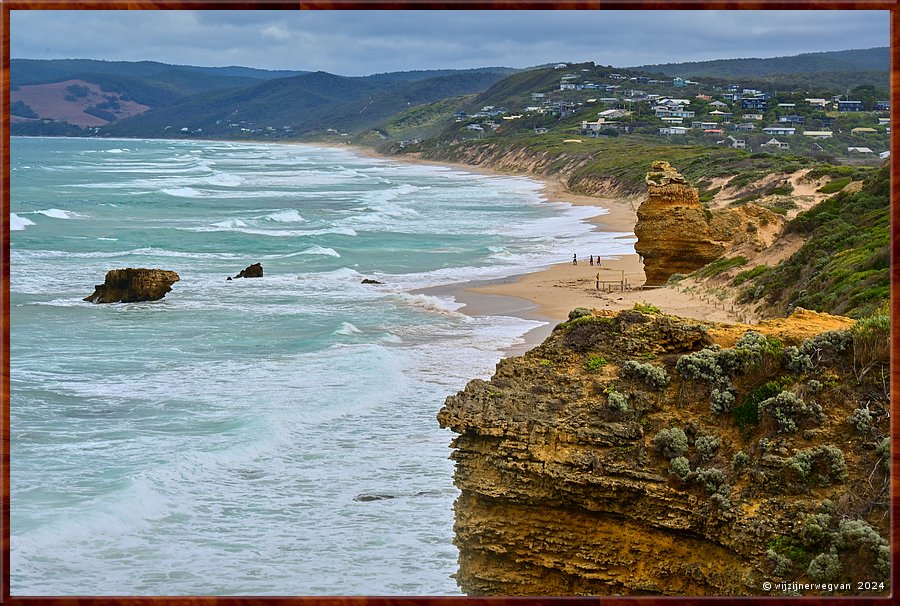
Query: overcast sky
(356, 43)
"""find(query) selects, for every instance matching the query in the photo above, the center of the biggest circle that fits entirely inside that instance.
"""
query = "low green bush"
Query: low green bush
(671, 442)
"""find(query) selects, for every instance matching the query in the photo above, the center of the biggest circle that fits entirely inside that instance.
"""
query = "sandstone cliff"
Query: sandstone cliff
(133, 284)
(630, 454)
(677, 234)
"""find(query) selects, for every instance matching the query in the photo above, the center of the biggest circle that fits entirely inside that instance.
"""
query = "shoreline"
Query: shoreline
(549, 293)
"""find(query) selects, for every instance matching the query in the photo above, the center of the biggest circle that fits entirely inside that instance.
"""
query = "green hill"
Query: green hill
(877, 59)
(308, 103)
(844, 266)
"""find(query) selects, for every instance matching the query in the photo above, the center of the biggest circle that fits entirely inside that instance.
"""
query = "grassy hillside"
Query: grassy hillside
(844, 266)
(621, 162)
(425, 120)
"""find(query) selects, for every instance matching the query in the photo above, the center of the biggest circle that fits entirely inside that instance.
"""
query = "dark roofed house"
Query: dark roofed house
(850, 106)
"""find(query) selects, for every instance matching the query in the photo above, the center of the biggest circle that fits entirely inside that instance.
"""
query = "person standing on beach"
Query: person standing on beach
(575, 259)
(598, 260)
(598, 280)
(591, 259)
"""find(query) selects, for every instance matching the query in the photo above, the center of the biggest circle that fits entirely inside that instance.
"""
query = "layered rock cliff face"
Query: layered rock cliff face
(677, 234)
(630, 454)
(133, 284)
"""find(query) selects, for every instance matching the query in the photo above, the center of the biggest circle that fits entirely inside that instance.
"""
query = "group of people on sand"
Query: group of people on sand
(590, 259)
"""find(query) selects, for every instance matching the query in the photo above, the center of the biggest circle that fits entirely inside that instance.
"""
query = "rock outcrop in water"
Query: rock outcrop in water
(130, 285)
(629, 454)
(251, 271)
(677, 234)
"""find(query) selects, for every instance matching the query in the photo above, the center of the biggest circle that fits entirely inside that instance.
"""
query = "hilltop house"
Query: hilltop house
(820, 103)
(776, 144)
(862, 130)
(818, 134)
(673, 130)
(850, 106)
(859, 150)
(757, 103)
(883, 106)
(779, 130)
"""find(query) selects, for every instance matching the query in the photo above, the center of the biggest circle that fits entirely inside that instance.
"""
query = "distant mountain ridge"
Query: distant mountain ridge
(849, 60)
(142, 97)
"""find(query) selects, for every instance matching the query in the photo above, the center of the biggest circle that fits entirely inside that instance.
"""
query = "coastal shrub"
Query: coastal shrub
(788, 411)
(740, 460)
(579, 312)
(675, 279)
(858, 536)
(595, 362)
(815, 530)
(654, 376)
(754, 350)
(782, 565)
(671, 442)
(701, 365)
(616, 400)
(824, 567)
(814, 386)
(721, 401)
(680, 467)
(816, 350)
(706, 446)
(711, 479)
(826, 460)
(861, 419)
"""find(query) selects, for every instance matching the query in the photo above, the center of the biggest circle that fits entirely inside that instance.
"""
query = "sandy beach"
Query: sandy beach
(549, 294)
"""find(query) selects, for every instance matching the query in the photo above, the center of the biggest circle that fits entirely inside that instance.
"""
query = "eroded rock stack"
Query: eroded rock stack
(673, 227)
(133, 284)
(676, 233)
(574, 479)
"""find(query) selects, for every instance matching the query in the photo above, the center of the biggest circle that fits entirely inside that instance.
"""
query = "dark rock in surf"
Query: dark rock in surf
(253, 271)
(130, 285)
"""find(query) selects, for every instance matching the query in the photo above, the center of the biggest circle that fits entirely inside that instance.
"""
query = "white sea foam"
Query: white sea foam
(347, 329)
(225, 179)
(321, 250)
(17, 223)
(230, 224)
(286, 216)
(430, 303)
(183, 192)
(56, 213)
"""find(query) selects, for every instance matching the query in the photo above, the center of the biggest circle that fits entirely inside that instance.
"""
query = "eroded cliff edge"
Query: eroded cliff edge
(632, 454)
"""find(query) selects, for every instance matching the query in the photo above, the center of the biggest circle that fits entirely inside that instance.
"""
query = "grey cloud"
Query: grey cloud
(364, 42)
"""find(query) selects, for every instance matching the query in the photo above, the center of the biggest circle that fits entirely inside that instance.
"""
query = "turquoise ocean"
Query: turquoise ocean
(272, 436)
